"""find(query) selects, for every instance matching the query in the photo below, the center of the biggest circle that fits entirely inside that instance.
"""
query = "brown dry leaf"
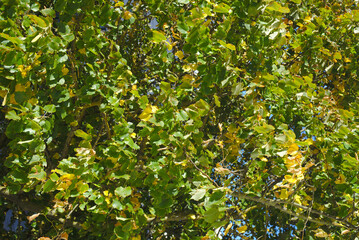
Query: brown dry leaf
(32, 217)
(321, 234)
(64, 236)
(221, 170)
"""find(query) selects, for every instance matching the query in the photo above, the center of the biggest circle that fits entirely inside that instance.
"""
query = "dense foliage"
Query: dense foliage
(179, 119)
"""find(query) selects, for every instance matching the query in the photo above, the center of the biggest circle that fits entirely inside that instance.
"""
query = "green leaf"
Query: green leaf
(183, 1)
(216, 101)
(82, 134)
(131, 143)
(123, 192)
(38, 173)
(82, 187)
(50, 108)
(182, 27)
(264, 129)
(221, 8)
(349, 162)
(116, 204)
(166, 202)
(212, 215)
(38, 21)
(202, 106)
(237, 89)
(14, 40)
(182, 115)
(54, 177)
(48, 12)
(49, 186)
(275, 6)
(11, 115)
(198, 194)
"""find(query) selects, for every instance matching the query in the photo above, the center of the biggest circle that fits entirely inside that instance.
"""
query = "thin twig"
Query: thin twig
(200, 170)
(353, 209)
(308, 215)
(267, 221)
(106, 125)
(71, 134)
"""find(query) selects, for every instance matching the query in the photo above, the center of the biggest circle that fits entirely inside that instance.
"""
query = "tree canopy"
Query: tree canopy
(179, 119)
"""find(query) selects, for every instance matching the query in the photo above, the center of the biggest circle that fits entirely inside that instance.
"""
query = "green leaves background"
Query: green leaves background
(232, 115)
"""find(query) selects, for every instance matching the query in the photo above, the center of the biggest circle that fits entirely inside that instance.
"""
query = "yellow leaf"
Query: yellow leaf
(147, 113)
(33, 101)
(290, 178)
(133, 135)
(228, 228)
(179, 54)
(82, 51)
(292, 148)
(20, 88)
(337, 55)
(242, 229)
(186, 68)
(3, 93)
(192, 216)
(216, 100)
(341, 179)
(74, 123)
(169, 47)
(127, 15)
(187, 76)
(72, 94)
(24, 70)
(135, 203)
(12, 99)
(119, 4)
(309, 141)
(231, 46)
(283, 194)
(307, 19)
(65, 71)
(68, 176)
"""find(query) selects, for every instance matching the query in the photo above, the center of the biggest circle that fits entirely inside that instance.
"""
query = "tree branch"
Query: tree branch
(30, 206)
(277, 204)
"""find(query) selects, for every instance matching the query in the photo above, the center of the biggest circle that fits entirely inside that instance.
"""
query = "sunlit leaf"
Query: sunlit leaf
(158, 37)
